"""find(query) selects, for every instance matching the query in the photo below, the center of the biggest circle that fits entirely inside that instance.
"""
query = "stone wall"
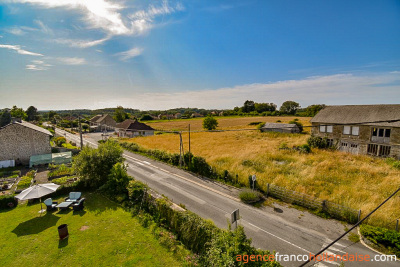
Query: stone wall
(19, 143)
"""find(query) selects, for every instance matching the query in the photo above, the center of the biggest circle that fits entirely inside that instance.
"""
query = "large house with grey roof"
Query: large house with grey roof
(133, 128)
(361, 129)
(20, 140)
(101, 123)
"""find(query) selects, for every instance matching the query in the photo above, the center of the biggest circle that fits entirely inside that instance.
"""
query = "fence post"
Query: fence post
(324, 205)
(268, 193)
(397, 225)
(359, 215)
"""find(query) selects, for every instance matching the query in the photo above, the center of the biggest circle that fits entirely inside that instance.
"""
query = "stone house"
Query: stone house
(361, 129)
(280, 127)
(101, 123)
(133, 128)
(20, 140)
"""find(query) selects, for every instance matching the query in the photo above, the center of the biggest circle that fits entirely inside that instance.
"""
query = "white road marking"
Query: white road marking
(280, 238)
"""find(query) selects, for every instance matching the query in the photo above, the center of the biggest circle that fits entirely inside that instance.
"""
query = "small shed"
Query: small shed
(280, 127)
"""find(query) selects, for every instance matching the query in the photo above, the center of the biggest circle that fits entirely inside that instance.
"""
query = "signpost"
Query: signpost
(235, 217)
(254, 178)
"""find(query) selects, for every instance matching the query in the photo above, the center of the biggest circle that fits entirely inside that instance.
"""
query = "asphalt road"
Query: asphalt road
(214, 201)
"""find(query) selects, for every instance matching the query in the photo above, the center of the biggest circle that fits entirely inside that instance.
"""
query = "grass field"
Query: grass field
(224, 123)
(357, 181)
(103, 234)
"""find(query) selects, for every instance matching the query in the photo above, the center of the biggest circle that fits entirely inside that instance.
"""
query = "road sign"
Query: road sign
(235, 216)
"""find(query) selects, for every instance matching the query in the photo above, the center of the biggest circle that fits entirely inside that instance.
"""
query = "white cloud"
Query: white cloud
(134, 52)
(43, 27)
(105, 15)
(81, 43)
(72, 60)
(38, 65)
(16, 31)
(333, 89)
(20, 50)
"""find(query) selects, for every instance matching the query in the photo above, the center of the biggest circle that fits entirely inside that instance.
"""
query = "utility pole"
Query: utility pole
(80, 130)
(189, 148)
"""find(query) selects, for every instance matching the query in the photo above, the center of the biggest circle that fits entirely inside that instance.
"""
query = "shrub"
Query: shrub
(318, 142)
(61, 180)
(299, 124)
(24, 182)
(94, 165)
(250, 196)
(59, 141)
(304, 149)
(210, 123)
(389, 239)
(8, 201)
(61, 170)
(118, 180)
(255, 123)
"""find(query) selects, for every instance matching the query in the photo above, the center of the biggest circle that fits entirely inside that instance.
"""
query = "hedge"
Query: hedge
(389, 239)
(8, 202)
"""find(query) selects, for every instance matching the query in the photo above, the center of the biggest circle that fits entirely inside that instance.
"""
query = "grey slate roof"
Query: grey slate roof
(356, 114)
(279, 126)
(31, 126)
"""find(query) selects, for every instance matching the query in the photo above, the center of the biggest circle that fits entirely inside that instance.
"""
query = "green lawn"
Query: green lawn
(103, 234)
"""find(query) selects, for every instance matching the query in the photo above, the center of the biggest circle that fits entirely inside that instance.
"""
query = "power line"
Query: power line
(348, 231)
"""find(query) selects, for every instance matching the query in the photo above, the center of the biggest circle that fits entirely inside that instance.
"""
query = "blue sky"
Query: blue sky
(70, 54)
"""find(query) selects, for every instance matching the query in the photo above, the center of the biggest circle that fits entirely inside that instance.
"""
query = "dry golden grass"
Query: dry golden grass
(360, 182)
(224, 123)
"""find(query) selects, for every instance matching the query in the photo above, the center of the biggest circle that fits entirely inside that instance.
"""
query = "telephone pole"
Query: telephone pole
(189, 147)
(80, 130)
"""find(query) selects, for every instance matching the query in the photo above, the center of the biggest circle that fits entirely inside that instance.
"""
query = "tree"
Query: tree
(299, 124)
(5, 118)
(210, 123)
(289, 107)
(120, 115)
(85, 127)
(52, 114)
(262, 107)
(312, 110)
(248, 106)
(94, 165)
(18, 113)
(31, 113)
(146, 117)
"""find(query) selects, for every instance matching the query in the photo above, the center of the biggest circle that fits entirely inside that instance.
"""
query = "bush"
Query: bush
(59, 141)
(318, 142)
(299, 124)
(250, 196)
(304, 149)
(389, 239)
(61, 170)
(94, 165)
(8, 201)
(118, 180)
(210, 123)
(24, 182)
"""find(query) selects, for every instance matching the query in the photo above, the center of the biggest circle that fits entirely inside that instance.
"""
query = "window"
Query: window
(322, 128)
(346, 129)
(353, 145)
(372, 149)
(384, 151)
(329, 128)
(344, 144)
(380, 135)
(355, 130)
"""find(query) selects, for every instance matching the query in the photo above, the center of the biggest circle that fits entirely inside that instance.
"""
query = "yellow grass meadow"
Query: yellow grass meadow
(357, 181)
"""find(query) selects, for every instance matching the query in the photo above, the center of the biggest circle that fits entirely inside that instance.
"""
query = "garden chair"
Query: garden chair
(73, 197)
(50, 204)
(79, 204)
